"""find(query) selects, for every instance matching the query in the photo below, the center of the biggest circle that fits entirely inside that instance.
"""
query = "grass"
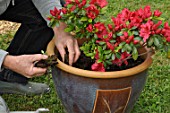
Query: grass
(155, 97)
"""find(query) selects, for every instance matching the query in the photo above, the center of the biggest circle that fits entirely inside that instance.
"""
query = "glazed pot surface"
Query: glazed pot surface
(95, 95)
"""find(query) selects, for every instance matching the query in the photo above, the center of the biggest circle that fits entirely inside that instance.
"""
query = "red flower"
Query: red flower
(73, 8)
(59, 17)
(122, 59)
(97, 54)
(145, 30)
(135, 21)
(155, 26)
(166, 26)
(101, 30)
(68, 2)
(77, 1)
(55, 12)
(48, 18)
(118, 23)
(83, 3)
(135, 42)
(168, 39)
(166, 31)
(90, 28)
(110, 27)
(101, 3)
(157, 13)
(92, 11)
(110, 46)
(98, 67)
(158, 31)
(145, 13)
(124, 15)
(131, 38)
(64, 10)
(126, 38)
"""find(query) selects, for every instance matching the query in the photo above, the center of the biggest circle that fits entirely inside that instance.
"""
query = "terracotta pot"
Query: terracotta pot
(83, 91)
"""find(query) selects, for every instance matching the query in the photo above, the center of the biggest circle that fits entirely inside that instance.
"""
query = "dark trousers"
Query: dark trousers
(33, 34)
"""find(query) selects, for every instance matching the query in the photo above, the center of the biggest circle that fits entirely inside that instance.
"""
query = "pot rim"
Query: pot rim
(95, 74)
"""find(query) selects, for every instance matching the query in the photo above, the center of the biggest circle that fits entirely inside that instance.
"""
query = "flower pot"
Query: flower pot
(83, 91)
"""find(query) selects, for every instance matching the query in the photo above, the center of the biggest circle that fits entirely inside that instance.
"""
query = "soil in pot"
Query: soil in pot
(86, 62)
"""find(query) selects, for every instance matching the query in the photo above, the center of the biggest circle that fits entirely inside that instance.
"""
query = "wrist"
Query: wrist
(60, 29)
(9, 61)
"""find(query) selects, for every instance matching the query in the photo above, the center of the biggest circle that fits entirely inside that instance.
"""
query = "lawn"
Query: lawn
(155, 97)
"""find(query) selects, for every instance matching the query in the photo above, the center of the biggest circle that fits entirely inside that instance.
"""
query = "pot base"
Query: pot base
(95, 95)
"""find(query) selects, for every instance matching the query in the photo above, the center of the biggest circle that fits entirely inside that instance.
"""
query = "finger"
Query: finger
(28, 76)
(39, 71)
(77, 51)
(40, 74)
(38, 57)
(70, 46)
(62, 51)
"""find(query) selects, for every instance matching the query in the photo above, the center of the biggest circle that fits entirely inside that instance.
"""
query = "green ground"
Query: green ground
(155, 97)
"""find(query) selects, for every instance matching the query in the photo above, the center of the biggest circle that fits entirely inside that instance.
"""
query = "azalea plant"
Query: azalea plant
(116, 42)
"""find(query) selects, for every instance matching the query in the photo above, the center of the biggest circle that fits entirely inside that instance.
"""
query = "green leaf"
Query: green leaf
(102, 43)
(108, 56)
(69, 29)
(112, 41)
(71, 17)
(122, 44)
(42, 51)
(133, 28)
(113, 57)
(104, 47)
(156, 42)
(135, 32)
(105, 65)
(90, 20)
(93, 47)
(135, 53)
(118, 48)
(90, 54)
(138, 38)
(123, 49)
(128, 47)
(107, 51)
(84, 19)
(108, 62)
(100, 49)
(118, 55)
(150, 42)
(53, 22)
(99, 61)
(82, 48)
(87, 47)
(159, 18)
(83, 12)
(69, 21)
(69, 6)
(127, 23)
(119, 34)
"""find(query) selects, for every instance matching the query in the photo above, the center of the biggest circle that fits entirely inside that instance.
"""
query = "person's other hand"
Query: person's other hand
(24, 64)
(66, 40)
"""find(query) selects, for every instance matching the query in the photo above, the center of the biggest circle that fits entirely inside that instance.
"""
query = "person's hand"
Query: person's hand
(24, 64)
(63, 40)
